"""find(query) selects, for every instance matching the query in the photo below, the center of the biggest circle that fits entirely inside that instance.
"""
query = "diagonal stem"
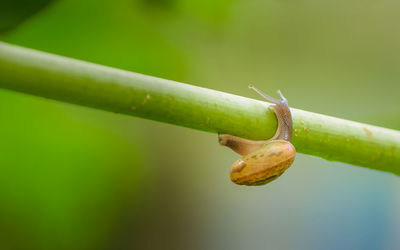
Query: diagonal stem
(87, 84)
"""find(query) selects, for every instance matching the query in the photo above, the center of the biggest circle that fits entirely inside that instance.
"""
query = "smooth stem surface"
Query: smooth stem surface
(120, 91)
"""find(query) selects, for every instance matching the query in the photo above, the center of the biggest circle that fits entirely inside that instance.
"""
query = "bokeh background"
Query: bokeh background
(78, 178)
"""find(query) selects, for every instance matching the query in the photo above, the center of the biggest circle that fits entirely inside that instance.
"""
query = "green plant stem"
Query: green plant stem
(120, 91)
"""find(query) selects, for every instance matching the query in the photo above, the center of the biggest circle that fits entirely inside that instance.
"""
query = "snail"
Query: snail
(263, 161)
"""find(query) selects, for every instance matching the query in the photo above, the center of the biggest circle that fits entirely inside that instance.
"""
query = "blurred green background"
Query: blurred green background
(78, 178)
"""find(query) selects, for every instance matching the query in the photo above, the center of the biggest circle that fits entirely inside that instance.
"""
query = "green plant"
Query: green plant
(119, 91)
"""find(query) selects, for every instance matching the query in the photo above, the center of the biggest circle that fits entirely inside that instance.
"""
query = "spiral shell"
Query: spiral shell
(264, 164)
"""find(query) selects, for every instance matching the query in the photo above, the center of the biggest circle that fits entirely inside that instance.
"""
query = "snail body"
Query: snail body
(263, 161)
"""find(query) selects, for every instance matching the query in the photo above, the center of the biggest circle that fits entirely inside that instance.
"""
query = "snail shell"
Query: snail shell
(263, 165)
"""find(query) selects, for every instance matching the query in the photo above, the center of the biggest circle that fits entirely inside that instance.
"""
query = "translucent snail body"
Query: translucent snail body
(263, 161)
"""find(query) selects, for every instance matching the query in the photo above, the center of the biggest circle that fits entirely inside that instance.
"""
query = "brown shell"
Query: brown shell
(264, 164)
